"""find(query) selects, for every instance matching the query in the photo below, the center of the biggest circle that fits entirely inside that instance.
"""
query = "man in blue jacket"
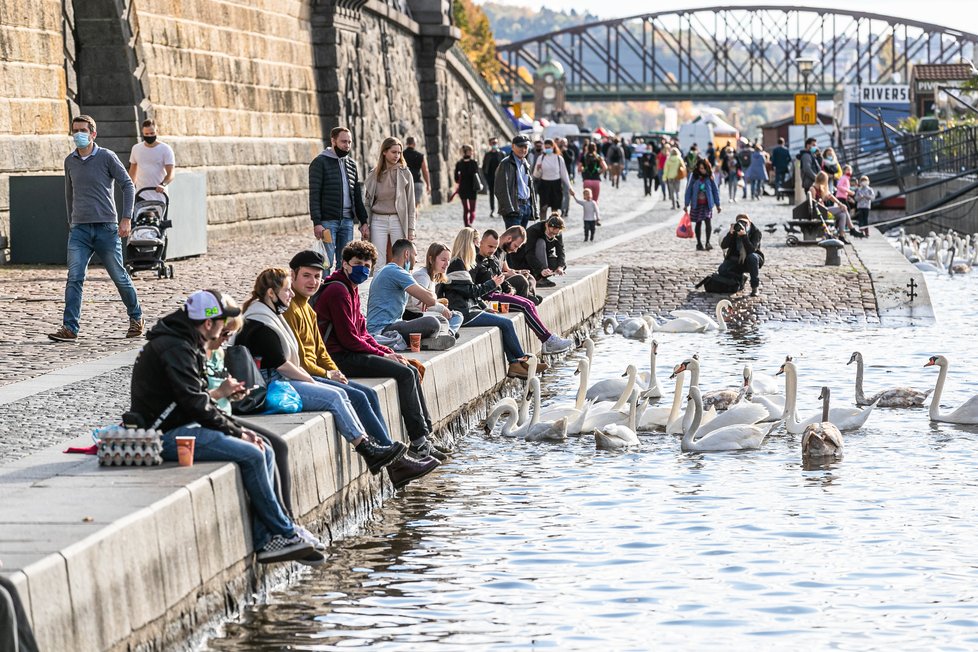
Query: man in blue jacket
(336, 194)
(781, 160)
(95, 227)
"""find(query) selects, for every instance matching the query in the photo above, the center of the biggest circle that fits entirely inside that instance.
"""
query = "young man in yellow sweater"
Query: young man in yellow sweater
(307, 276)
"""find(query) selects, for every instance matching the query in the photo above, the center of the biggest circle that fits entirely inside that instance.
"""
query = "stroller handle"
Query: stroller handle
(166, 197)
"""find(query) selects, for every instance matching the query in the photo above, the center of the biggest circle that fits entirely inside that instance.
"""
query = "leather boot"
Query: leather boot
(407, 468)
(377, 456)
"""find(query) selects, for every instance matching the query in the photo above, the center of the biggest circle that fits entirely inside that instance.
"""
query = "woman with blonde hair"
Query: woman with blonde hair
(671, 173)
(429, 276)
(826, 201)
(388, 193)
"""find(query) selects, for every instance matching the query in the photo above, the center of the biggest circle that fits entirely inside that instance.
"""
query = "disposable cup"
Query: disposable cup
(495, 306)
(504, 308)
(185, 450)
(415, 341)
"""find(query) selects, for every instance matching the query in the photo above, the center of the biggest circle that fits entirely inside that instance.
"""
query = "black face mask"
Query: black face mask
(280, 308)
(149, 140)
(341, 152)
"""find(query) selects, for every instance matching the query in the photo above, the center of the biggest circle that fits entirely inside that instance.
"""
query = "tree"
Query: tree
(478, 42)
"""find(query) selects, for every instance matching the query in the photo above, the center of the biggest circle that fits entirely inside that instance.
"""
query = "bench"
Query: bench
(806, 219)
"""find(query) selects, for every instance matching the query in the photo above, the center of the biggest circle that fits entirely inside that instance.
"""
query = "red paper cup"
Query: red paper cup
(504, 308)
(415, 342)
(185, 450)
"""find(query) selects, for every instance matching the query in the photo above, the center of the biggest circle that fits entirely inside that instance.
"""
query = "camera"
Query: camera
(739, 226)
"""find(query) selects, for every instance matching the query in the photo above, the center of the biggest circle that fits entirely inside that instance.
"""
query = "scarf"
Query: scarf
(265, 315)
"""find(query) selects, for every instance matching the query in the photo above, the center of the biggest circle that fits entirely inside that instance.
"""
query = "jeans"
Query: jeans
(756, 188)
(732, 185)
(282, 481)
(491, 191)
(257, 472)
(382, 228)
(514, 351)
(673, 185)
(523, 219)
(366, 405)
(425, 325)
(751, 265)
(318, 397)
(85, 240)
(342, 232)
(589, 229)
(779, 179)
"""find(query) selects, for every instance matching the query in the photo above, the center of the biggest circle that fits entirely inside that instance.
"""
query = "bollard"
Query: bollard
(832, 247)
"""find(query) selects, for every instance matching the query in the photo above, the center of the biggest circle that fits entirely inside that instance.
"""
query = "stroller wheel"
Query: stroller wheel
(169, 271)
(129, 270)
(161, 272)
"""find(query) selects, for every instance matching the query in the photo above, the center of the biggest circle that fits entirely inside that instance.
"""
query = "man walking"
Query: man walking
(490, 162)
(781, 160)
(151, 163)
(336, 193)
(418, 165)
(513, 186)
(95, 227)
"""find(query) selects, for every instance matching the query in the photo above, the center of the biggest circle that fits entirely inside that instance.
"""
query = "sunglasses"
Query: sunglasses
(226, 334)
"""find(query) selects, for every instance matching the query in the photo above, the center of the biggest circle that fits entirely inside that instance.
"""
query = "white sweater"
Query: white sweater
(552, 168)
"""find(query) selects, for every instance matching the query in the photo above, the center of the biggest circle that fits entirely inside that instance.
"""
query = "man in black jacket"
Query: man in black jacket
(543, 251)
(336, 194)
(742, 252)
(490, 162)
(169, 386)
(810, 165)
(515, 193)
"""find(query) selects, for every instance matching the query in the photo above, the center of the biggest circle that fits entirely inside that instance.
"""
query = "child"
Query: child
(592, 217)
(864, 200)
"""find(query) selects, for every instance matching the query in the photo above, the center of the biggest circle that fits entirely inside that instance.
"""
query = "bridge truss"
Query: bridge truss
(723, 53)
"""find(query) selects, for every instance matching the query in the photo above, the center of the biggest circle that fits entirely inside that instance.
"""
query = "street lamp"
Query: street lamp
(805, 67)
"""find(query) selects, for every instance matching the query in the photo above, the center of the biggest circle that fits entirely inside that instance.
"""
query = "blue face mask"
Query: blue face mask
(82, 140)
(548, 150)
(359, 274)
(813, 150)
(407, 266)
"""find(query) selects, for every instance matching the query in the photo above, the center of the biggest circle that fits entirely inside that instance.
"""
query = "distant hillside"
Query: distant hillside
(517, 23)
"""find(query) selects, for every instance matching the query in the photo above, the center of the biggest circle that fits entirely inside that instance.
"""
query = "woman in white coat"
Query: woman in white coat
(389, 196)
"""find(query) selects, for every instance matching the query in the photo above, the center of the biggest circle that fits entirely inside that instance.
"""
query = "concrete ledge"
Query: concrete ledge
(891, 273)
(125, 558)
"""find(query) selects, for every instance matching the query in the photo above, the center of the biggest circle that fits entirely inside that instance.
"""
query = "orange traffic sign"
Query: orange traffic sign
(805, 109)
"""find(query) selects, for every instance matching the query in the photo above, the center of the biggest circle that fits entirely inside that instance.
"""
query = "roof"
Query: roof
(555, 68)
(823, 118)
(720, 126)
(943, 71)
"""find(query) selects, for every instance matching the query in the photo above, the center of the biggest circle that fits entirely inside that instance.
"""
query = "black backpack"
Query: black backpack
(717, 283)
(241, 365)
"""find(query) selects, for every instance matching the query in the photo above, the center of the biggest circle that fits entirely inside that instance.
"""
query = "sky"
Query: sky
(961, 14)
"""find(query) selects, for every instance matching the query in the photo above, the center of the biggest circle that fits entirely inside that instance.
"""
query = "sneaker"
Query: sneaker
(377, 456)
(556, 345)
(699, 247)
(420, 451)
(285, 549)
(135, 328)
(407, 469)
(708, 247)
(315, 558)
(63, 335)
(444, 450)
(310, 537)
(753, 291)
(545, 283)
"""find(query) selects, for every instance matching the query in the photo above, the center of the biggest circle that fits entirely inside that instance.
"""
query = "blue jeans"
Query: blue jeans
(510, 341)
(257, 474)
(756, 187)
(366, 404)
(317, 397)
(85, 240)
(523, 219)
(779, 179)
(342, 232)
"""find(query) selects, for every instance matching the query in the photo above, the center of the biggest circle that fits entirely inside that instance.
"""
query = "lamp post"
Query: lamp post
(805, 67)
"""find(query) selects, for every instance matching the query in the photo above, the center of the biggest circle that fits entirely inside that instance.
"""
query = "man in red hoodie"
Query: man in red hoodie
(357, 353)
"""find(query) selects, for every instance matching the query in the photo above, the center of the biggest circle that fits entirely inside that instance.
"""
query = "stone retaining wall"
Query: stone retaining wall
(146, 558)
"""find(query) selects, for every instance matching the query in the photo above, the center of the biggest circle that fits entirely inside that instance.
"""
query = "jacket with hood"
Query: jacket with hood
(505, 187)
(171, 368)
(327, 196)
(338, 310)
(463, 295)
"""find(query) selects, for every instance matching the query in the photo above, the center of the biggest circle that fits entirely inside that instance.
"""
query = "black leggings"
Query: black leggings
(709, 229)
(283, 477)
(589, 229)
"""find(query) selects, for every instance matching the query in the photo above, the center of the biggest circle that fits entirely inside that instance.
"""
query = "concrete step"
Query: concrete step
(116, 128)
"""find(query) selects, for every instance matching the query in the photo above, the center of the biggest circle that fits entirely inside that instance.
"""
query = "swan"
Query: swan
(535, 430)
(589, 349)
(680, 422)
(575, 417)
(897, 397)
(761, 383)
(773, 404)
(844, 418)
(614, 437)
(966, 413)
(599, 419)
(822, 439)
(721, 399)
(728, 438)
(503, 406)
(611, 388)
(742, 413)
(679, 325)
(718, 324)
(660, 417)
(635, 328)
(566, 409)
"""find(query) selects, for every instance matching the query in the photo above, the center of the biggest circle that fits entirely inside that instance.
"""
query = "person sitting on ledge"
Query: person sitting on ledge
(428, 277)
(273, 344)
(307, 276)
(357, 353)
(169, 383)
(466, 297)
(742, 252)
(543, 251)
(487, 266)
(389, 292)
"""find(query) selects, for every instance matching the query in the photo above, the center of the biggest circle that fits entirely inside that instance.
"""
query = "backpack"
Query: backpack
(241, 365)
(717, 283)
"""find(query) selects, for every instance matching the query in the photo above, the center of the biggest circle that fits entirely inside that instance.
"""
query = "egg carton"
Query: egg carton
(130, 447)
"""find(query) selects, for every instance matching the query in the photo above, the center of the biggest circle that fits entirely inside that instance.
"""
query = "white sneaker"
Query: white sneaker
(557, 344)
(310, 537)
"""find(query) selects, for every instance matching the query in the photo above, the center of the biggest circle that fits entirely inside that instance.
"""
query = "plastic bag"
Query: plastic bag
(281, 398)
(685, 228)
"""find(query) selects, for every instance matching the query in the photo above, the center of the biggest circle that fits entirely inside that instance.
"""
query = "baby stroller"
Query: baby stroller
(146, 247)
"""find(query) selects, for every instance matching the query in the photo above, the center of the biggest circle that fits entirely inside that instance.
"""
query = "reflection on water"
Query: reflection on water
(514, 545)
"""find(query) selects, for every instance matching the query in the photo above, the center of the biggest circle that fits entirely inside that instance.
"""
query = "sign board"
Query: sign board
(517, 109)
(806, 112)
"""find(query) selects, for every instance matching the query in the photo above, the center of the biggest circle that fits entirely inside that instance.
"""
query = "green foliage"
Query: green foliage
(478, 42)
(517, 23)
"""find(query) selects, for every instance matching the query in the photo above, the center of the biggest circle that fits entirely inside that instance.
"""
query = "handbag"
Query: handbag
(681, 172)
(242, 367)
(685, 228)
(480, 184)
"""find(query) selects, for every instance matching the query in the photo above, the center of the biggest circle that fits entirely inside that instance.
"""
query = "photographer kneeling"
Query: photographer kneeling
(742, 252)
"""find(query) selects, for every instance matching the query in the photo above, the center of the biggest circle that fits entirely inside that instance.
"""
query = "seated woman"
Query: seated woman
(428, 277)
(826, 201)
(270, 339)
(466, 297)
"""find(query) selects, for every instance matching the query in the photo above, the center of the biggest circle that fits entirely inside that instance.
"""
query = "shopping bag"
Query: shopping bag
(685, 228)
(326, 247)
(282, 398)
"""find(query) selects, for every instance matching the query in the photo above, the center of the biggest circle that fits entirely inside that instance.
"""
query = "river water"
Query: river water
(515, 545)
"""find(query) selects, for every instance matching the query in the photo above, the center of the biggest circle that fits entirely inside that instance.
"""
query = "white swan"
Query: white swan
(718, 324)
(966, 413)
(897, 397)
(535, 430)
(635, 328)
(611, 388)
(614, 437)
(589, 349)
(572, 409)
(741, 414)
(770, 402)
(660, 417)
(729, 438)
(679, 325)
(599, 419)
(721, 399)
(761, 383)
(844, 418)
(507, 405)
(822, 439)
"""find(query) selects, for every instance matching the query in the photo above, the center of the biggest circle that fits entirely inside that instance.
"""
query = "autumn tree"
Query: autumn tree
(478, 42)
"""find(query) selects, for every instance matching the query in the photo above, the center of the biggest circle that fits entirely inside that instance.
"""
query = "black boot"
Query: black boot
(377, 456)
(407, 469)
